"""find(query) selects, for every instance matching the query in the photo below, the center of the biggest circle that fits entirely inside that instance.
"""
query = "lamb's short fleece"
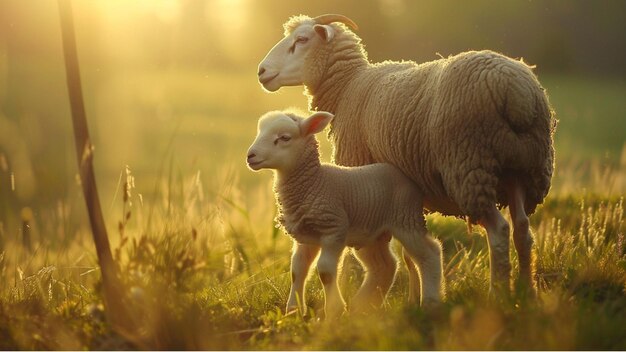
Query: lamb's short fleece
(330, 207)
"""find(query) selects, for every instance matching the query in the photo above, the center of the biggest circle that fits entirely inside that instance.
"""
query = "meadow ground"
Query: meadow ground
(206, 268)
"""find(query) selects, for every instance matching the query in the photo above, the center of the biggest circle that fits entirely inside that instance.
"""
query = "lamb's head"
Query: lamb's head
(282, 139)
(287, 62)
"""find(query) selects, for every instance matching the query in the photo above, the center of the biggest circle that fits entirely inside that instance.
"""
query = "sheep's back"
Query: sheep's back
(455, 126)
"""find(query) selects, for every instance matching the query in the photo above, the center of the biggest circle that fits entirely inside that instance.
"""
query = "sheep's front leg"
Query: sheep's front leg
(332, 248)
(301, 259)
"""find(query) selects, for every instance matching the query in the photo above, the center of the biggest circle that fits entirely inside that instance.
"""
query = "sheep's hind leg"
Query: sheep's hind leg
(498, 240)
(380, 269)
(303, 256)
(522, 237)
(426, 252)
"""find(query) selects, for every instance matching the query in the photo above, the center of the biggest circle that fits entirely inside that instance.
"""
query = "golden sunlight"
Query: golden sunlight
(229, 14)
(180, 245)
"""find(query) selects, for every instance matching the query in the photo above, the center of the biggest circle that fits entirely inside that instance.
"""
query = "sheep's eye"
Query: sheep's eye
(299, 40)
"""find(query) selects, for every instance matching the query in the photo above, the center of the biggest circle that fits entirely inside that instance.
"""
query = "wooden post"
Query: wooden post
(113, 292)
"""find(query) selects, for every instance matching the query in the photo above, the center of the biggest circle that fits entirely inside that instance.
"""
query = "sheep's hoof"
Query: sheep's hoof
(500, 292)
(525, 290)
(434, 308)
(431, 303)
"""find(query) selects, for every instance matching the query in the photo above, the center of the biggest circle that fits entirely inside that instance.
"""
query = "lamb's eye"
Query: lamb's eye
(284, 138)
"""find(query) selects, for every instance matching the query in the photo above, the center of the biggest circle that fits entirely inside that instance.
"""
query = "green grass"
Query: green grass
(591, 116)
(212, 274)
(205, 267)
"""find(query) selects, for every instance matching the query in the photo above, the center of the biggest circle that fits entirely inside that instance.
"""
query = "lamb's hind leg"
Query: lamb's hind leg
(498, 240)
(380, 269)
(521, 234)
(332, 248)
(414, 279)
(426, 252)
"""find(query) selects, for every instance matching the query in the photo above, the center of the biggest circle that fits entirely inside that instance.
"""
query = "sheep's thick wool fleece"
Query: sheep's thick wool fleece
(459, 127)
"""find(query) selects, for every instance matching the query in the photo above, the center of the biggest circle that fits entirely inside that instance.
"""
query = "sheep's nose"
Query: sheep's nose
(261, 70)
(251, 155)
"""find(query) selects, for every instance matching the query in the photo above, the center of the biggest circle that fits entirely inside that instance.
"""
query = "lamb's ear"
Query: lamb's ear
(325, 31)
(315, 123)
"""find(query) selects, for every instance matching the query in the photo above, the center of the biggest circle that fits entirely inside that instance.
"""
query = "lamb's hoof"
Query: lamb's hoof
(361, 311)
(294, 309)
(364, 306)
(334, 314)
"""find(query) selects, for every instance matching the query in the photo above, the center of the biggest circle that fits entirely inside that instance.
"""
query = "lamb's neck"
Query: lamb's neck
(333, 83)
(292, 185)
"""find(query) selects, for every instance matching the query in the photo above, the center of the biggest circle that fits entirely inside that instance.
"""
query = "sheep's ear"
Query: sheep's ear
(325, 31)
(316, 123)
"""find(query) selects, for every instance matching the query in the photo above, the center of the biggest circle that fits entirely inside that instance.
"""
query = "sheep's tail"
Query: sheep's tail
(527, 143)
(525, 148)
(525, 99)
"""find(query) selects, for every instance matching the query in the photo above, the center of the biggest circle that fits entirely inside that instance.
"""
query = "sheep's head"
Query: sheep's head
(285, 65)
(282, 138)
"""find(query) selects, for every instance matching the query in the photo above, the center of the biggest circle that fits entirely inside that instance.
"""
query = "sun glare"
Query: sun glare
(165, 10)
(229, 14)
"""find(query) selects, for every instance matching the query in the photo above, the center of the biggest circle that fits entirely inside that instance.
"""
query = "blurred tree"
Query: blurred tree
(558, 35)
(124, 47)
(192, 42)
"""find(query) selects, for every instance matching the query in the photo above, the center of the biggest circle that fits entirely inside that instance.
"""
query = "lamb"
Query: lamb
(330, 207)
(472, 131)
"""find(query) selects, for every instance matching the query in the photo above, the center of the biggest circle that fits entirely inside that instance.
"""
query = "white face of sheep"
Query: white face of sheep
(281, 140)
(284, 64)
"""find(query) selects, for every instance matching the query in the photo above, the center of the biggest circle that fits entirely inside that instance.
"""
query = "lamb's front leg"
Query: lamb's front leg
(301, 259)
(332, 248)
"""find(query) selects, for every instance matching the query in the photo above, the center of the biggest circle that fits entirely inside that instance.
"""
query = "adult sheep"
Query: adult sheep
(473, 131)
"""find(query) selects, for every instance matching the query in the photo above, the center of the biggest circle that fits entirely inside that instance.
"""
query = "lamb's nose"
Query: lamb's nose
(261, 70)
(251, 155)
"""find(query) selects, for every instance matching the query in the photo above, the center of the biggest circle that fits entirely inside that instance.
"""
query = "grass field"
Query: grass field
(207, 269)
